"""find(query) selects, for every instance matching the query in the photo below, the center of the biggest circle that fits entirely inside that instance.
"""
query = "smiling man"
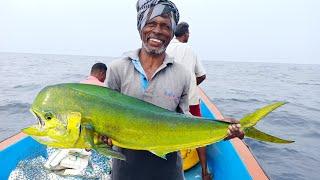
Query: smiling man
(150, 75)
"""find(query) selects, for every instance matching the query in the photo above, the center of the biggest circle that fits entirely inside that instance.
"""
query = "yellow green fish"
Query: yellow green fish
(73, 115)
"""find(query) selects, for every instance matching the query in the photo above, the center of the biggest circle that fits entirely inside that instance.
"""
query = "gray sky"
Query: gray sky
(228, 30)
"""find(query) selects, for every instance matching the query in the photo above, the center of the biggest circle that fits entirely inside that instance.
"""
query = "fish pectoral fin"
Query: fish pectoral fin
(103, 149)
(89, 133)
(108, 151)
(254, 133)
(160, 154)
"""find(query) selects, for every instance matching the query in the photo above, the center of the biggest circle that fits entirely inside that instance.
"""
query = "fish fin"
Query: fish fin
(252, 119)
(108, 151)
(88, 126)
(160, 154)
(103, 149)
(254, 133)
(89, 136)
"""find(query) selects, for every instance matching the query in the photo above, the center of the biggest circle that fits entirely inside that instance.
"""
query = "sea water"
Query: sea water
(236, 88)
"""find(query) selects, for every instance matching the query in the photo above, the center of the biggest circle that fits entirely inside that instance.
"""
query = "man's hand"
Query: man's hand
(106, 140)
(234, 129)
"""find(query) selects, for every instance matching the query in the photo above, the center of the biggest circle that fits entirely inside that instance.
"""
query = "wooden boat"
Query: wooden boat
(226, 160)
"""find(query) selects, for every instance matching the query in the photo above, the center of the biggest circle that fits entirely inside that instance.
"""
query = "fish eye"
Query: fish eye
(48, 116)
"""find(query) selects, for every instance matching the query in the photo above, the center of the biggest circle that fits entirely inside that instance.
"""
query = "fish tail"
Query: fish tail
(249, 120)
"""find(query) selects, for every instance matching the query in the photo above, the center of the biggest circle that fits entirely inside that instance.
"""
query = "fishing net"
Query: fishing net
(99, 167)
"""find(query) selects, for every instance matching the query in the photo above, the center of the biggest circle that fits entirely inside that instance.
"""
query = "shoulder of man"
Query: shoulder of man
(125, 59)
(184, 45)
(187, 49)
(115, 73)
(118, 62)
(117, 66)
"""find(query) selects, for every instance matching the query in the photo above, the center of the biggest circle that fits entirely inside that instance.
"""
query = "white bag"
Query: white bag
(68, 161)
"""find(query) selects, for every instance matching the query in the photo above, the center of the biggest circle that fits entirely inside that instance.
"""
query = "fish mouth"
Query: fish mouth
(36, 114)
(37, 129)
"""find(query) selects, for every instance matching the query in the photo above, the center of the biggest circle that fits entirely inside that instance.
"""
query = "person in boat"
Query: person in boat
(149, 74)
(183, 53)
(97, 75)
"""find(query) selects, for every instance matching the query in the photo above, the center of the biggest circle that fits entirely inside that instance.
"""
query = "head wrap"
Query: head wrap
(148, 9)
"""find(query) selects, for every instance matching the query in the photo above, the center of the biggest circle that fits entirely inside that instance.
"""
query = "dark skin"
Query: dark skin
(184, 38)
(100, 75)
(155, 36)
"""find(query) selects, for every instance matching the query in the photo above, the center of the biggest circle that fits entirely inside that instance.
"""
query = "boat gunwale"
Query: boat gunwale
(12, 140)
(247, 157)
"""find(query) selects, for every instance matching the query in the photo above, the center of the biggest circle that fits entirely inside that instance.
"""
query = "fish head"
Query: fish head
(58, 125)
(51, 129)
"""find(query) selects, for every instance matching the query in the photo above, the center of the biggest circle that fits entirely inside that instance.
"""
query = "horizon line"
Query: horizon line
(216, 59)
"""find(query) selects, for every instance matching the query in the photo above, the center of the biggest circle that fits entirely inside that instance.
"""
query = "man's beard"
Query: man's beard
(153, 51)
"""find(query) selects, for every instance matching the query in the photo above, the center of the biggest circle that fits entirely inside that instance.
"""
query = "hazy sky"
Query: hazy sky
(232, 30)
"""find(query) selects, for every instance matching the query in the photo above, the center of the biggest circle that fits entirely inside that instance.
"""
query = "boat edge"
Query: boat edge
(247, 157)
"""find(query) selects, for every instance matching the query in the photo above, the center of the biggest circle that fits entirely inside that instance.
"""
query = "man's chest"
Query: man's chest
(164, 90)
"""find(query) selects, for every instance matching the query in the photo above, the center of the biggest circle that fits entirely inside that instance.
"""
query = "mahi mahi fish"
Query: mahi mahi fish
(74, 115)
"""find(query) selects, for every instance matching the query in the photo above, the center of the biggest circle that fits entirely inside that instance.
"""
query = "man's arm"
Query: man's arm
(199, 71)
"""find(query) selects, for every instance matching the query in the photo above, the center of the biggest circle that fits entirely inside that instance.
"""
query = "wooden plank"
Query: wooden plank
(11, 140)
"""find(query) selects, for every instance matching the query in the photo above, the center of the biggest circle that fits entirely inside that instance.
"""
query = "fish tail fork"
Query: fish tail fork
(248, 121)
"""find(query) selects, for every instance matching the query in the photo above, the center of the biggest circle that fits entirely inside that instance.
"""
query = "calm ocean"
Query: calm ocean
(236, 88)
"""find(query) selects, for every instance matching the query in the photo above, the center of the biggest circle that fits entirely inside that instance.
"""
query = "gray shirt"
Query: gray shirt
(168, 88)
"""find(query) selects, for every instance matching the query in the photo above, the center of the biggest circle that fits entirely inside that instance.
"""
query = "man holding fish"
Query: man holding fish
(140, 114)
(150, 75)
